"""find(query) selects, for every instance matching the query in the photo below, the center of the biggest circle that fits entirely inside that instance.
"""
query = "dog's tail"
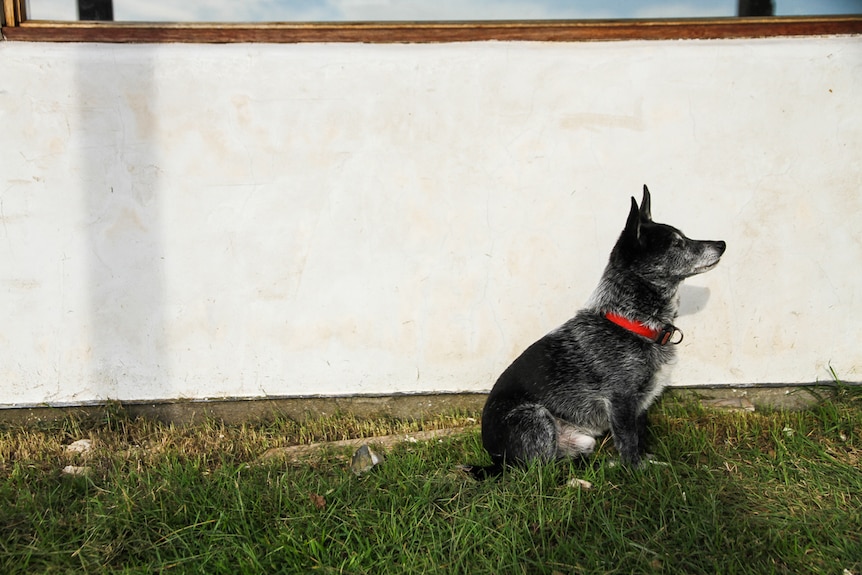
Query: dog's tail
(483, 472)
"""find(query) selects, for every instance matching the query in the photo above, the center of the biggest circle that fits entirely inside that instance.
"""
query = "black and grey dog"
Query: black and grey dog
(597, 372)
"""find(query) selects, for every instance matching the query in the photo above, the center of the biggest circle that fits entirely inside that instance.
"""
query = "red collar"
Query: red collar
(660, 336)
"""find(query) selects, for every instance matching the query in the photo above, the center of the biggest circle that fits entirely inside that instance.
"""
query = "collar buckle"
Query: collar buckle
(666, 334)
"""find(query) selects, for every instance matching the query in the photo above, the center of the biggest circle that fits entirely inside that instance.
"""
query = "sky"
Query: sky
(359, 10)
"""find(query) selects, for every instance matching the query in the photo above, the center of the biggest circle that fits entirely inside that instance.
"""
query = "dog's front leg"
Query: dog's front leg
(642, 433)
(625, 429)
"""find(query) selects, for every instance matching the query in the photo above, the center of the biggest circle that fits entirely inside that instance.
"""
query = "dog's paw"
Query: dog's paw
(479, 472)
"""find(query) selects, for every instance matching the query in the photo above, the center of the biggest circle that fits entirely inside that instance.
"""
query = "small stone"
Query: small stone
(364, 459)
(75, 470)
(81, 446)
(579, 483)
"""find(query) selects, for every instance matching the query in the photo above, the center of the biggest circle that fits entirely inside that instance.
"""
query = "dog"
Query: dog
(597, 372)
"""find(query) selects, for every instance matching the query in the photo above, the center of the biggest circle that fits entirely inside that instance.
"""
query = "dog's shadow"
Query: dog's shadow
(692, 299)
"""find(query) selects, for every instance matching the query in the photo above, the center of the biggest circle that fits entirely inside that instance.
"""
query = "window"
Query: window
(423, 10)
(420, 20)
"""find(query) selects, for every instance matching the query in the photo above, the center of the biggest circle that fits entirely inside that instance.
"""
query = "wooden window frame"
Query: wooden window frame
(17, 27)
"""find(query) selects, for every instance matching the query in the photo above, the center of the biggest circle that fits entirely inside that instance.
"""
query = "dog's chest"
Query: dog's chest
(655, 386)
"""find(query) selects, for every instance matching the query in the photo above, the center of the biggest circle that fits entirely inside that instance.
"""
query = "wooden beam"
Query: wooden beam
(431, 32)
(9, 16)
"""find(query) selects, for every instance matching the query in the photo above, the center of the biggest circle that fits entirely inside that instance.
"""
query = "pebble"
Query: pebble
(364, 459)
(579, 483)
(80, 446)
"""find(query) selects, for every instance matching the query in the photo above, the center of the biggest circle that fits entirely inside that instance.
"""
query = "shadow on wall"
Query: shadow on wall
(119, 166)
(692, 299)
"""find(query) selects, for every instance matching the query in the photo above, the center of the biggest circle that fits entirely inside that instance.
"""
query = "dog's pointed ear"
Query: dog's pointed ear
(646, 211)
(633, 223)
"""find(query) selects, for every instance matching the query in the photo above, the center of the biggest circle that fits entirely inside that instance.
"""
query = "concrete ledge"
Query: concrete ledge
(754, 398)
(234, 411)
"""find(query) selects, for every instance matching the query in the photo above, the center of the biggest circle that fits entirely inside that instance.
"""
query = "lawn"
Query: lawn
(739, 492)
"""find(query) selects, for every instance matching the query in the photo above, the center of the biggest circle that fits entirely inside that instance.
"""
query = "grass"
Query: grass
(765, 492)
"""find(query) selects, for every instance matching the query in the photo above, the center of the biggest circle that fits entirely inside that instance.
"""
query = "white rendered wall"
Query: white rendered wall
(251, 220)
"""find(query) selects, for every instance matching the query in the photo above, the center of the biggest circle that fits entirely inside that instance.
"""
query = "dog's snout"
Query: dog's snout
(720, 246)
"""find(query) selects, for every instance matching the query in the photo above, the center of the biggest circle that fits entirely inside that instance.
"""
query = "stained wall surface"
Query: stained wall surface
(184, 221)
